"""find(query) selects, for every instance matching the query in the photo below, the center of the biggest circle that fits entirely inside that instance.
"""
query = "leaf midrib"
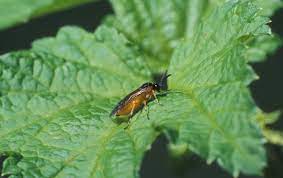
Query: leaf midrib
(104, 141)
(106, 69)
(229, 138)
(51, 116)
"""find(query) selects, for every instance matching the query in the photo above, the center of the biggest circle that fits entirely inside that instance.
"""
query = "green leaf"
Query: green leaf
(13, 12)
(157, 26)
(273, 136)
(211, 72)
(56, 99)
(10, 165)
(260, 47)
(269, 7)
(55, 105)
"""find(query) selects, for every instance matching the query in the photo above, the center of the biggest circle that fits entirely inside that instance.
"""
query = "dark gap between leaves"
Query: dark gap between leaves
(159, 163)
(2, 159)
(88, 16)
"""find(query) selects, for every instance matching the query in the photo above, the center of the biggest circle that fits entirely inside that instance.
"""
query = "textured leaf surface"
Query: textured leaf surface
(269, 7)
(18, 11)
(55, 104)
(213, 74)
(158, 25)
(56, 99)
(260, 47)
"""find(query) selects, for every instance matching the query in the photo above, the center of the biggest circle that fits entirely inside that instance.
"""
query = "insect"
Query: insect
(138, 99)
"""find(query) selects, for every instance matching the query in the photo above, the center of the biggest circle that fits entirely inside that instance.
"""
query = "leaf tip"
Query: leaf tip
(177, 150)
(148, 147)
(236, 174)
(209, 161)
(256, 77)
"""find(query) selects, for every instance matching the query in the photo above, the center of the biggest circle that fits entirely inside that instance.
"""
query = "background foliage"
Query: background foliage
(69, 80)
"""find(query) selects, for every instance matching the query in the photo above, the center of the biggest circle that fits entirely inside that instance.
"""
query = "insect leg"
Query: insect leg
(130, 116)
(128, 124)
(132, 110)
(131, 113)
(147, 109)
(153, 93)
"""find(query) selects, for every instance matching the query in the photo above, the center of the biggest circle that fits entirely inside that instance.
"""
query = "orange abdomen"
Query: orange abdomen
(134, 104)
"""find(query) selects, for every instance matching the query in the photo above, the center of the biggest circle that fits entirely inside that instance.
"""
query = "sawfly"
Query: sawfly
(138, 99)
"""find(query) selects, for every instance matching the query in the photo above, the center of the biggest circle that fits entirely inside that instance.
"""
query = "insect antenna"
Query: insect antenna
(163, 81)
